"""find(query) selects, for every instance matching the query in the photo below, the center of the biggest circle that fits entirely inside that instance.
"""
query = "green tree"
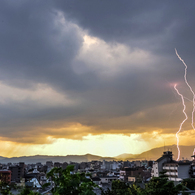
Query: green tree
(122, 188)
(5, 188)
(189, 183)
(28, 191)
(161, 186)
(66, 183)
(44, 186)
(156, 186)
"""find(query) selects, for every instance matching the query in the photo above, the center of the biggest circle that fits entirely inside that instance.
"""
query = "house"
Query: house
(57, 164)
(135, 173)
(5, 176)
(108, 179)
(96, 180)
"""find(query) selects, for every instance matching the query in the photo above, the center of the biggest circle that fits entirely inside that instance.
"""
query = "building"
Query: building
(64, 165)
(5, 176)
(17, 172)
(110, 165)
(107, 179)
(126, 164)
(96, 180)
(39, 166)
(158, 164)
(106, 165)
(150, 163)
(133, 174)
(83, 165)
(76, 165)
(115, 165)
(137, 163)
(33, 174)
(57, 164)
(175, 170)
(49, 164)
(192, 168)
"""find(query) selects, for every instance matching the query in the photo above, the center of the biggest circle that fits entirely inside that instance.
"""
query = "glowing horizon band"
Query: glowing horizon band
(186, 117)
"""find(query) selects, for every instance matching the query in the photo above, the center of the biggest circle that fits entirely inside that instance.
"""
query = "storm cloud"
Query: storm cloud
(73, 68)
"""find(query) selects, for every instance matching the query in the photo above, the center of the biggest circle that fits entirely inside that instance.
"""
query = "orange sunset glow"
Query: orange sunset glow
(100, 81)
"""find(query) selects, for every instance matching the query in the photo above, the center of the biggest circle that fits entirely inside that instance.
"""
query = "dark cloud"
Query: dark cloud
(160, 26)
(121, 83)
(37, 45)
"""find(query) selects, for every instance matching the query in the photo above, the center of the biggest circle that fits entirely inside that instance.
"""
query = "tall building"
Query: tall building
(17, 172)
(192, 168)
(175, 170)
(158, 164)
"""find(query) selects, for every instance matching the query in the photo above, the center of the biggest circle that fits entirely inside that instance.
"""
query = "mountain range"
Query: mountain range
(153, 154)
(44, 158)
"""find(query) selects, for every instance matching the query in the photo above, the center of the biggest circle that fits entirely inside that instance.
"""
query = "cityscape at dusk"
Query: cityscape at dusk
(94, 77)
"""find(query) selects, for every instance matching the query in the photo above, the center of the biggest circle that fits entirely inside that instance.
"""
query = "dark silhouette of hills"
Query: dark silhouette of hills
(153, 154)
(44, 158)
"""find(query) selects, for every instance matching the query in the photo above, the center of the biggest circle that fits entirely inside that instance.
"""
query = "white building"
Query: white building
(122, 175)
(110, 165)
(115, 165)
(158, 164)
(108, 179)
(175, 170)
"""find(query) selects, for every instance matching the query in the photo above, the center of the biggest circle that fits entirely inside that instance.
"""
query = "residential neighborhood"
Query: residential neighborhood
(102, 173)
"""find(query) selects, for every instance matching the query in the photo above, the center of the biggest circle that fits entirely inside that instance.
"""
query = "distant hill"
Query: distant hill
(126, 156)
(44, 158)
(1, 157)
(155, 153)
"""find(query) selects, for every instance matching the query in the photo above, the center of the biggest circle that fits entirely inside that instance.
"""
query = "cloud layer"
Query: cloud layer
(73, 68)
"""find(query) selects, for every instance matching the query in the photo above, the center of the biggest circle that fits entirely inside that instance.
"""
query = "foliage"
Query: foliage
(121, 188)
(66, 183)
(5, 189)
(13, 186)
(157, 186)
(28, 191)
(45, 185)
(161, 186)
(189, 183)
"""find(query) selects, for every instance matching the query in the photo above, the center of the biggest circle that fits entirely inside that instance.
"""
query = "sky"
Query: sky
(94, 77)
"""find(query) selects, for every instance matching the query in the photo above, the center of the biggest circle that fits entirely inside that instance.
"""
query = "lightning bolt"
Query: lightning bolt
(185, 78)
(186, 117)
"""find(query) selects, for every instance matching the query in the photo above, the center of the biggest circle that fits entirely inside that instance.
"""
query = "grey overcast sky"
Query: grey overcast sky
(70, 69)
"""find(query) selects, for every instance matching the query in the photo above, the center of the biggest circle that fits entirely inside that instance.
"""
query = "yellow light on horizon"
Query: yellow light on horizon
(109, 145)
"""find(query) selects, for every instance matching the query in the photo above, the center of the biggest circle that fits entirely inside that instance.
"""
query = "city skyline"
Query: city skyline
(94, 77)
